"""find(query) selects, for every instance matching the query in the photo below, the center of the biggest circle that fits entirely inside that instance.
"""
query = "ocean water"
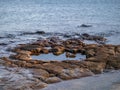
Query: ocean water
(64, 16)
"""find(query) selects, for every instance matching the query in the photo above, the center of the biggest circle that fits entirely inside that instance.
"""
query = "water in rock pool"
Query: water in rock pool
(61, 57)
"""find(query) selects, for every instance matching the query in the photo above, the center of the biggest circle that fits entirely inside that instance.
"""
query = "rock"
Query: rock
(20, 63)
(45, 51)
(72, 50)
(40, 72)
(52, 68)
(27, 33)
(52, 80)
(75, 73)
(64, 76)
(35, 49)
(99, 58)
(63, 64)
(73, 42)
(21, 56)
(32, 33)
(91, 46)
(2, 44)
(101, 55)
(10, 36)
(67, 36)
(118, 49)
(8, 63)
(95, 67)
(55, 40)
(57, 50)
(40, 32)
(90, 53)
(85, 25)
(40, 85)
(36, 66)
(98, 39)
(73, 63)
(23, 52)
(42, 43)
(85, 35)
(70, 55)
(113, 62)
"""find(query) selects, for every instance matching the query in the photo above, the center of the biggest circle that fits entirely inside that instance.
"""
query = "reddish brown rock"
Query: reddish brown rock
(74, 73)
(96, 67)
(113, 62)
(51, 68)
(39, 72)
(71, 49)
(57, 50)
(117, 49)
(52, 80)
(45, 51)
(64, 65)
(23, 52)
(90, 53)
(21, 56)
(64, 76)
(34, 49)
(39, 85)
(91, 46)
(70, 55)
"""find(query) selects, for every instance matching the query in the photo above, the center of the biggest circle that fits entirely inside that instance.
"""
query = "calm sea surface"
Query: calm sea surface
(64, 16)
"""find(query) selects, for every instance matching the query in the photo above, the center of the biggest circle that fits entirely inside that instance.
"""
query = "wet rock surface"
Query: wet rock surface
(85, 25)
(41, 72)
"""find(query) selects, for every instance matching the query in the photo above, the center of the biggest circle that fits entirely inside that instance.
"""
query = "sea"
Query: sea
(57, 16)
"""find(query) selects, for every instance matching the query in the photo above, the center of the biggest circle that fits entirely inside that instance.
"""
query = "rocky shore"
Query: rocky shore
(30, 74)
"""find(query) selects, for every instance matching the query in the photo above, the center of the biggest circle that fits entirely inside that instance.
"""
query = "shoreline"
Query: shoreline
(99, 57)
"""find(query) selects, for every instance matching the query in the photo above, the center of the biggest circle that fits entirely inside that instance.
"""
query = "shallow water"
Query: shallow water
(61, 57)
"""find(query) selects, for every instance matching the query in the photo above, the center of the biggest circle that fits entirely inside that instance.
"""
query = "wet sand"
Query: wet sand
(106, 81)
(116, 86)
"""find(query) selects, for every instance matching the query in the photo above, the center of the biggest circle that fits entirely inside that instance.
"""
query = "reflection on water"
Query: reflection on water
(61, 57)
